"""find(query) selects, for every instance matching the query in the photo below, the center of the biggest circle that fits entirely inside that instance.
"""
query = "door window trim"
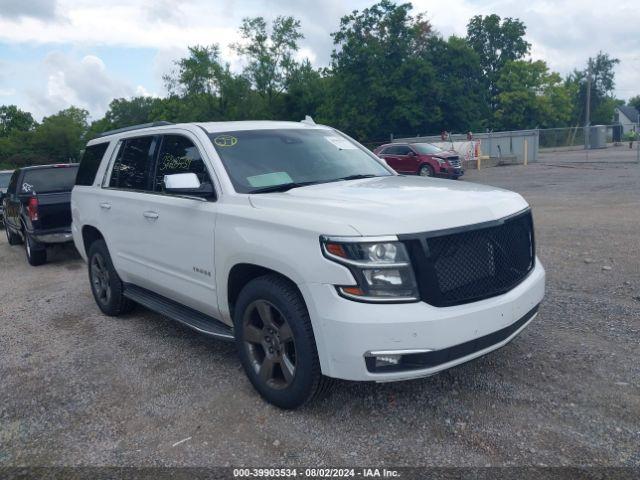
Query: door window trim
(202, 157)
(158, 138)
(118, 151)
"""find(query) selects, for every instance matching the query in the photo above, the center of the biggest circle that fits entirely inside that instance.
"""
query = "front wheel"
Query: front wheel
(275, 343)
(36, 254)
(426, 171)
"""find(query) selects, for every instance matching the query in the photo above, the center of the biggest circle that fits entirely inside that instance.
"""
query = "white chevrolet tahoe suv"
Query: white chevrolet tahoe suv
(304, 248)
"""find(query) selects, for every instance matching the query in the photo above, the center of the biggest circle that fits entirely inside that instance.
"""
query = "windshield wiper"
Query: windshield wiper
(356, 177)
(283, 187)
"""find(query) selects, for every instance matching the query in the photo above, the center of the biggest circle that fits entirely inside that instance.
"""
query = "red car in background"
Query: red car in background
(422, 159)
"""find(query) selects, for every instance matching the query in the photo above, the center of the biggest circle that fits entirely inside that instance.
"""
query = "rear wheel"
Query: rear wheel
(12, 238)
(275, 342)
(426, 171)
(36, 253)
(106, 286)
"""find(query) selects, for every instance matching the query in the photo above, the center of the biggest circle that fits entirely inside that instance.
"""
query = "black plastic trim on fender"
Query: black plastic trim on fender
(416, 361)
(187, 316)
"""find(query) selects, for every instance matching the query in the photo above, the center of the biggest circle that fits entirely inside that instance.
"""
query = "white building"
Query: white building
(627, 116)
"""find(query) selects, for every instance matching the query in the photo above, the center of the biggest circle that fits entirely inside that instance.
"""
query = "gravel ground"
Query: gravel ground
(79, 388)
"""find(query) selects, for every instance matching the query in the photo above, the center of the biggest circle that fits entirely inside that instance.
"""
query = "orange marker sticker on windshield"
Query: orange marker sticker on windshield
(225, 140)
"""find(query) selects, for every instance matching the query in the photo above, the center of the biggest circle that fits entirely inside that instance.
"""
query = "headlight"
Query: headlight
(382, 269)
(441, 161)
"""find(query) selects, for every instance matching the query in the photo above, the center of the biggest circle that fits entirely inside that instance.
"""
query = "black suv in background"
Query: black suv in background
(37, 208)
(5, 176)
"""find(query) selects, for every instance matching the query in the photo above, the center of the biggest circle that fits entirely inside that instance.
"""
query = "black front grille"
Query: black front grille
(464, 265)
(454, 161)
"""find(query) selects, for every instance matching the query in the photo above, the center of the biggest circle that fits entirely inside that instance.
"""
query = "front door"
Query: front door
(179, 230)
(407, 159)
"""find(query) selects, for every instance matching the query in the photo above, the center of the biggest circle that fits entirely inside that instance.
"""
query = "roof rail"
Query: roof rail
(133, 127)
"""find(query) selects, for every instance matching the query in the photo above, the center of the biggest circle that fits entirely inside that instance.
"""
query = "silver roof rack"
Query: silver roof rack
(134, 127)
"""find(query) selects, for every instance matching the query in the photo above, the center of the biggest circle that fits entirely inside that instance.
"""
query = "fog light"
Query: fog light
(385, 360)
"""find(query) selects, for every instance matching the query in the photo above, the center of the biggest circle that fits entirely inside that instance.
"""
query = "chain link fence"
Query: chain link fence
(605, 144)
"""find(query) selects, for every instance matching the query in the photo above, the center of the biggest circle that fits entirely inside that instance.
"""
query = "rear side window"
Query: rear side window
(395, 150)
(131, 168)
(48, 180)
(90, 163)
(178, 154)
(403, 150)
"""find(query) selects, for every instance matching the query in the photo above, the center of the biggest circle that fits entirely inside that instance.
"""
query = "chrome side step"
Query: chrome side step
(187, 316)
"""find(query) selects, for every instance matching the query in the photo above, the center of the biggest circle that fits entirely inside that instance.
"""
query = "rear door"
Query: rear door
(406, 159)
(390, 155)
(122, 205)
(180, 230)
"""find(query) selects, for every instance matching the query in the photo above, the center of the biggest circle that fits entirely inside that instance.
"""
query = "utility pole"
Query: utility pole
(587, 110)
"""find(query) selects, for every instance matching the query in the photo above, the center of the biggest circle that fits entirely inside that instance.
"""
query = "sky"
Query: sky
(57, 53)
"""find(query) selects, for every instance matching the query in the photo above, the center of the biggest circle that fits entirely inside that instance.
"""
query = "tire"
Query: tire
(426, 171)
(36, 253)
(289, 335)
(106, 286)
(12, 238)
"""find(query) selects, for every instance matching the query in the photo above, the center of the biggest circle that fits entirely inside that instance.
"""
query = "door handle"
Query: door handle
(105, 206)
(151, 215)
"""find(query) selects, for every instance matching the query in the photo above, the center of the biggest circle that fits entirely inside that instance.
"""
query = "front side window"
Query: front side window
(261, 159)
(178, 154)
(13, 183)
(4, 179)
(131, 168)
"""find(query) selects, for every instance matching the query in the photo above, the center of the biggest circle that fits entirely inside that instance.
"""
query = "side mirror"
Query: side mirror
(412, 153)
(187, 184)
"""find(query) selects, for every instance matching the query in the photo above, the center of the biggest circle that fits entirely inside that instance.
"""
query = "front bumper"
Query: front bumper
(348, 332)
(452, 171)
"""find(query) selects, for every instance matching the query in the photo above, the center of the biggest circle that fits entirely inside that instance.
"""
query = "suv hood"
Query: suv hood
(395, 204)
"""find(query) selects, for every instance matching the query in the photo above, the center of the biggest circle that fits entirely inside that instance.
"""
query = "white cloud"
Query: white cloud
(43, 9)
(7, 92)
(563, 32)
(84, 83)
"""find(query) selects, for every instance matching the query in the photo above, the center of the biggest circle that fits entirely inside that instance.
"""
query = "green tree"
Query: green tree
(602, 85)
(123, 112)
(13, 119)
(462, 97)
(531, 97)
(198, 73)
(306, 89)
(269, 54)
(61, 136)
(381, 81)
(634, 102)
(496, 41)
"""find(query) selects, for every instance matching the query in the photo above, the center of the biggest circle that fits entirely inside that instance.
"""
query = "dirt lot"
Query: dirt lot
(79, 388)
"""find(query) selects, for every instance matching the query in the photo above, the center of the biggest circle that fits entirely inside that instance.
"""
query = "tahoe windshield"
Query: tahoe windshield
(4, 179)
(427, 148)
(276, 160)
(44, 180)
